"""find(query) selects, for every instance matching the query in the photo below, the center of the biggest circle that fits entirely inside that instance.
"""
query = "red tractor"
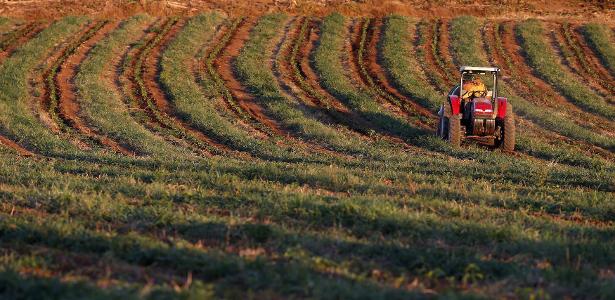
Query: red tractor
(477, 114)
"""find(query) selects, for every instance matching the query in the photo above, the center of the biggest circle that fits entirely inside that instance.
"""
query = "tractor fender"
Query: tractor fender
(455, 103)
(501, 104)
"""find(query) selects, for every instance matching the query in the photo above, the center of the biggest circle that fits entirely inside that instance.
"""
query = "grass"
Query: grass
(436, 222)
(103, 104)
(545, 63)
(600, 39)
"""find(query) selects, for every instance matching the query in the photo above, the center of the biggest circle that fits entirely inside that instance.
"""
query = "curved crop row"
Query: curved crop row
(262, 84)
(545, 63)
(11, 37)
(102, 104)
(583, 65)
(600, 38)
(221, 59)
(52, 88)
(19, 123)
(367, 56)
(527, 90)
(213, 55)
(328, 65)
(404, 71)
(535, 141)
(153, 99)
(196, 106)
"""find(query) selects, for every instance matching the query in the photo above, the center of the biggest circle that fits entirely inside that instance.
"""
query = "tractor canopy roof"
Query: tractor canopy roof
(478, 70)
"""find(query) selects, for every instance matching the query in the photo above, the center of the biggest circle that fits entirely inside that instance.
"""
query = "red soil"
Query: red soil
(16, 147)
(597, 70)
(28, 32)
(496, 58)
(352, 63)
(550, 97)
(379, 75)
(224, 66)
(151, 70)
(444, 52)
(573, 63)
(68, 103)
(431, 65)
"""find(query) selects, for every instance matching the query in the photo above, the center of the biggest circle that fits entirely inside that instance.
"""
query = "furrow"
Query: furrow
(590, 63)
(152, 99)
(498, 57)
(306, 76)
(425, 52)
(10, 45)
(68, 109)
(50, 112)
(375, 75)
(236, 94)
(443, 52)
(572, 59)
(538, 91)
(356, 48)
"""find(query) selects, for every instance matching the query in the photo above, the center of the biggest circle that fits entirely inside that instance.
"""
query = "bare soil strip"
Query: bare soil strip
(68, 105)
(497, 58)
(278, 61)
(438, 76)
(14, 146)
(9, 46)
(229, 108)
(245, 101)
(21, 37)
(378, 76)
(536, 90)
(592, 63)
(444, 51)
(154, 100)
(47, 94)
(355, 51)
(306, 79)
(564, 45)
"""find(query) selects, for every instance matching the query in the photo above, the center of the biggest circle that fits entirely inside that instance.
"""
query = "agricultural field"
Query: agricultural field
(289, 156)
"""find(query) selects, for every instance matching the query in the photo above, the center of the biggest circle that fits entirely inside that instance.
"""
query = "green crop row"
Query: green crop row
(50, 78)
(9, 38)
(601, 39)
(466, 28)
(401, 246)
(161, 117)
(323, 101)
(196, 105)
(571, 41)
(545, 63)
(373, 87)
(430, 71)
(404, 70)
(328, 64)
(219, 82)
(17, 119)
(101, 102)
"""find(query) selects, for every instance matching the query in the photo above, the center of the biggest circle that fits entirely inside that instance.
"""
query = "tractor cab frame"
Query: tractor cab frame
(481, 116)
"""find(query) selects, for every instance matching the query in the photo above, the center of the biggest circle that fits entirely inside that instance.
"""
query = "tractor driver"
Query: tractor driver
(473, 87)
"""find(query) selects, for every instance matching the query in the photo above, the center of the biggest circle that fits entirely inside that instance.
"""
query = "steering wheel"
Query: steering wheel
(479, 94)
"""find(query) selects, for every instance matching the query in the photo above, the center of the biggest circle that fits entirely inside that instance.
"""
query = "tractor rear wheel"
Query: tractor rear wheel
(454, 131)
(507, 141)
